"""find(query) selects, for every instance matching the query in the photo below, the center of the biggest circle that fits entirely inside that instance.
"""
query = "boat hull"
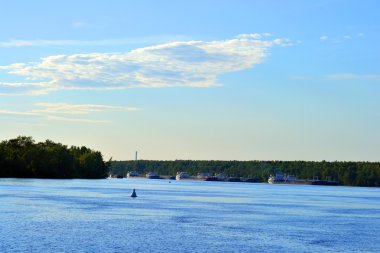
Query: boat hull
(307, 182)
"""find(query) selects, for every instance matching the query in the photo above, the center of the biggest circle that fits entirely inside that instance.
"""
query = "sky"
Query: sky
(200, 80)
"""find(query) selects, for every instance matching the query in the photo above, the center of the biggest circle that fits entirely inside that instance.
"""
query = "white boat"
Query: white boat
(182, 175)
(132, 174)
(279, 177)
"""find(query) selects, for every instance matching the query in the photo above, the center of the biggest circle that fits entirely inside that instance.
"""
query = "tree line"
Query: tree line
(347, 173)
(22, 157)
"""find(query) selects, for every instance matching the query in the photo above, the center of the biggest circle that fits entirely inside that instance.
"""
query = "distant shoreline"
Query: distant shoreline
(346, 173)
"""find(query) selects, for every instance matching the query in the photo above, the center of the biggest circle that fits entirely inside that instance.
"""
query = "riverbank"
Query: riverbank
(347, 173)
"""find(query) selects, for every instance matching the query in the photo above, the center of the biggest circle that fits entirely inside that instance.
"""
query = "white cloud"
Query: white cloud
(351, 76)
(255, 36)
(16, 43)
(342, 76)
(26, 88)
(79, 24)
(108, 42)
(174, 64)
(301, 77)
(64, 108)
(340, 38)
(58, 118)
(53, 111)
(10, 112)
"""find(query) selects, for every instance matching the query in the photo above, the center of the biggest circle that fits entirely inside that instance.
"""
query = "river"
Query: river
(39, 215)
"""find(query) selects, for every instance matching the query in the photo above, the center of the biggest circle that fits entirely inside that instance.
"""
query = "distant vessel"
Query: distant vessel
(132, 174)
(115, 176)
(324, 182)
(182, 175)
(221, 177)
(152, 175)
(204, 175)
(279, 178)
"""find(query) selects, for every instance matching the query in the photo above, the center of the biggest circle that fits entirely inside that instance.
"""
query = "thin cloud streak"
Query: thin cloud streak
(108, 42)
(351, 76)
(63, 108)
(10, 112)
(75, 120)
(53, 111)
(340, 38)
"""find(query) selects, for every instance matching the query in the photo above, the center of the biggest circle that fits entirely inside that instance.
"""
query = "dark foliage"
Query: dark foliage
(23, 157)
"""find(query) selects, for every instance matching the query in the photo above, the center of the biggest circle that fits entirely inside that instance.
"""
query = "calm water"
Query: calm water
(185, 216)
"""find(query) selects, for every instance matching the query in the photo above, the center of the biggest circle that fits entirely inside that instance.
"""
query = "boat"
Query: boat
(222, 177)
(182, 175)
(233, 179)
(325, 182)
(279, 178)
(204, 175)
(132, 174)
(152, 175)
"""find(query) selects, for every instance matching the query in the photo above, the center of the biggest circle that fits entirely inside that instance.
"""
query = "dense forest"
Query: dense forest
(24, 158)
(347, 173)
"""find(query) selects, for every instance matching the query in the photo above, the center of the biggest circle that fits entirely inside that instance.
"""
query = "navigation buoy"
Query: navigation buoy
(134, 195)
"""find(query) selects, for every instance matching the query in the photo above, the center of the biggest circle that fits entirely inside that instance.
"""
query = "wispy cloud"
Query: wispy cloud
(79, 24)
(301, 77)
(44, 43)
(30, 88)
(54, 111)
(351, 76)
(80, 120)
(75, 109)
(17, 113)
(107, 42)
(340, 38)
(174, 64)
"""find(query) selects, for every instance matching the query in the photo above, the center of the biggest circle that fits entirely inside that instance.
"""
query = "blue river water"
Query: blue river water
(39, 215)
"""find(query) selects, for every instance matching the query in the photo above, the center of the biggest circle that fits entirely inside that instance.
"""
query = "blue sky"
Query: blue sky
(228, 80)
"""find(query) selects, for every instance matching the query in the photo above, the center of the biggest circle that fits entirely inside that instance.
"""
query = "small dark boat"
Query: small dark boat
(233, 179)
(324, 182)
